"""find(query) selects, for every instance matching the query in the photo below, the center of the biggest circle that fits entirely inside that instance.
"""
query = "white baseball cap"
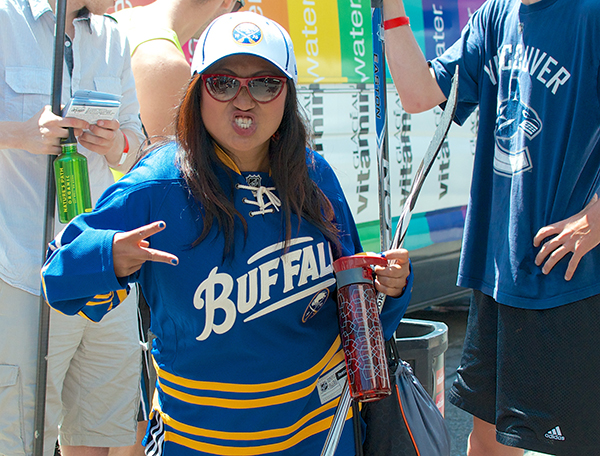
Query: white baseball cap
(245, 33)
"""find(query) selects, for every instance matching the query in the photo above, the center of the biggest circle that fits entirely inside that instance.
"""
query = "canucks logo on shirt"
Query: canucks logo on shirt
(247, 33)
(516, 123)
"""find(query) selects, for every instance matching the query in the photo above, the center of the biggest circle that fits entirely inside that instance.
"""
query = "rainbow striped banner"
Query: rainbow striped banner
(333, 41)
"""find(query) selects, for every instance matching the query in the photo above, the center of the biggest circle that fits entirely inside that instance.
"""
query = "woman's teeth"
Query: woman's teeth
(243, 122)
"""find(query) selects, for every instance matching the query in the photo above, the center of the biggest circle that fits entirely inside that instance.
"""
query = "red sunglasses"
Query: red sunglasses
(239, 4)
(262, 89)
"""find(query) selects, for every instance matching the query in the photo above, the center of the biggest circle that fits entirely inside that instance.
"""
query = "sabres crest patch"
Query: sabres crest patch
(247, 33)
(315, 305)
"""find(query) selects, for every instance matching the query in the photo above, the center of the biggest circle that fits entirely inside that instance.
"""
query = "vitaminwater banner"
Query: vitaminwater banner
(441, 26)
(333, 38)
(342, 119)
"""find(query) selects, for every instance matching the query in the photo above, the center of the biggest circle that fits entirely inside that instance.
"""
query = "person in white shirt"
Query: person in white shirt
(93, 370)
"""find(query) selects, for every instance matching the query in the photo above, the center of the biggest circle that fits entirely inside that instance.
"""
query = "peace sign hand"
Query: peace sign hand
(130, 250)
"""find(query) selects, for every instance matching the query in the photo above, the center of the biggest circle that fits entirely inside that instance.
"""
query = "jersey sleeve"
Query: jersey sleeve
(79, 271)
(78, 276)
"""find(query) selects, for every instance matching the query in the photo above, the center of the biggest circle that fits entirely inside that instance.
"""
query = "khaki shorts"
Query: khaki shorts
(93, 376)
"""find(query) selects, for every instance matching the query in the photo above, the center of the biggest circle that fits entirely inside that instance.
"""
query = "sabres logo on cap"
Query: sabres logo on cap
(247, 33)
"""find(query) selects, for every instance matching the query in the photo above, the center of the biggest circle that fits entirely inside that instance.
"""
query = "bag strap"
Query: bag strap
(393, 355)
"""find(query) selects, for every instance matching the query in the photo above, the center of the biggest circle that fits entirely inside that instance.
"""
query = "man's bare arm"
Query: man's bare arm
(414, 80)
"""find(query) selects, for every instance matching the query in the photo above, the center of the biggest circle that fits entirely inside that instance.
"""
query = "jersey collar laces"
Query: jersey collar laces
(255, 186)
(259, 193)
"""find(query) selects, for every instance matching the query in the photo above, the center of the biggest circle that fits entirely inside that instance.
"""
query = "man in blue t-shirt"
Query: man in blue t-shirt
(533, 223)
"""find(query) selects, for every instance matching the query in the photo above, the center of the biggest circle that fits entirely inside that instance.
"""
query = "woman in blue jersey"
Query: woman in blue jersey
(231, 231)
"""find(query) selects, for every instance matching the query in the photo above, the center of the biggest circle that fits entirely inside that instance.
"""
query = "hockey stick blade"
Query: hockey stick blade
(425, 166)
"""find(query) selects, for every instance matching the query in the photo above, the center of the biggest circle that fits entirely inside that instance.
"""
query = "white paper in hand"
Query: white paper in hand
(92, 106)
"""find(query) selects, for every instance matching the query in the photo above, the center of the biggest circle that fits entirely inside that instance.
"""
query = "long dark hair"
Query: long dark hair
(288, 164)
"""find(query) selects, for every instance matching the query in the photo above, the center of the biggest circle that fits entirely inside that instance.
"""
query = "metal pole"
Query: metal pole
(385, 209)
(44, 323)
(383, 156)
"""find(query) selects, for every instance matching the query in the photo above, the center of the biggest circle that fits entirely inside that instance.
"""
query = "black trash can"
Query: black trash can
(422, 343)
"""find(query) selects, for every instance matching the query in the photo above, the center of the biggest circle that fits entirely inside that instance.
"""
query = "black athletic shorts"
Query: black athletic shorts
(535, 374)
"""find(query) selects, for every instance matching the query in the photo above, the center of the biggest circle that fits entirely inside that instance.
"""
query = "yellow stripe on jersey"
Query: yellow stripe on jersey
(268, 434)
(209, 448)
(333, 356)
(122, 294)
(100, 299)
(238, 403)
(337, 359)
(42, 270)
(81, 314)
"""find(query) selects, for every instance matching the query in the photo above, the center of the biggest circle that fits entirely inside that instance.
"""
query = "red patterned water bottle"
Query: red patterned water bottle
(360, 327)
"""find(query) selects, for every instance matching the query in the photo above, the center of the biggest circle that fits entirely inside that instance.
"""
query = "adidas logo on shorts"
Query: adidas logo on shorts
(554, 434)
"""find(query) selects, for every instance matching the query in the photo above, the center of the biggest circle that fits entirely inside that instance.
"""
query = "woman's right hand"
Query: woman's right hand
(130, 250)
(391, 280)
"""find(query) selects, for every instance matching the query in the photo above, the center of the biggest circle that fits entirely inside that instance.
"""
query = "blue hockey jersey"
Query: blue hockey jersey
(247, 348)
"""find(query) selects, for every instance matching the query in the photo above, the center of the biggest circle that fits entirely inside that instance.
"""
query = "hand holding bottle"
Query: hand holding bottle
(391, 279)
(131, 250)
(42, 133)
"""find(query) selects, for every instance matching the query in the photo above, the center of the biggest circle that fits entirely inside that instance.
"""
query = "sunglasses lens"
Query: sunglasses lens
(262, 89)
(265, 89)
(222, 88)
(238, 5)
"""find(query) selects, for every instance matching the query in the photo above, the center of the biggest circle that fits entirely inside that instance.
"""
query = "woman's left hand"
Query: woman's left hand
(391, 279)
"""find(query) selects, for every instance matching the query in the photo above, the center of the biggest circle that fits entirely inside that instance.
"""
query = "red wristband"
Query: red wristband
(125, 150)
(396, 22)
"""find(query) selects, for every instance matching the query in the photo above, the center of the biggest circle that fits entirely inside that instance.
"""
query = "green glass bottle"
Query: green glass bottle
(72, 181)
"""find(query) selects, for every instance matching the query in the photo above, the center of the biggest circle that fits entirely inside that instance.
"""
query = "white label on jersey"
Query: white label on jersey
(331, 384)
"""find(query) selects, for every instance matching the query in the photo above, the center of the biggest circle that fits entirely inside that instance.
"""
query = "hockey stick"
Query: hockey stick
(383, 156)
(423, 170)
(425, 166)
(383, 159)
(435, 145)
(385, 209)
(44, 323)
